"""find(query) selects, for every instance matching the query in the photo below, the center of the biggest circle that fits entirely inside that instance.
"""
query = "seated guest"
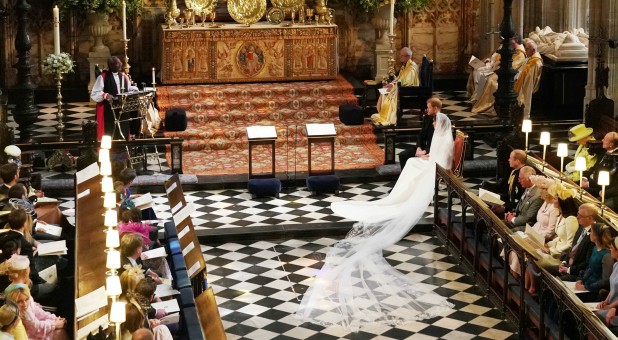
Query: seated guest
(10, 175)
(607, 308)
(11, 326)
(423, 142)
(580, 134)
(144, 295)
(123, 189)
(528, 80)
(566, 231)
(387, 104)
(596, 275)
(131, 222)
(609, 162)
(39, 323)
(143, 334)
(548, 214)
(485, 96)
(130, 254)
(51, 214)
(510, 189)
(478, 77)
(135, 317)
(528, 206)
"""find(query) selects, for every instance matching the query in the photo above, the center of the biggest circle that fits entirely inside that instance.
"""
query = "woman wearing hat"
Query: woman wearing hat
(580, 134)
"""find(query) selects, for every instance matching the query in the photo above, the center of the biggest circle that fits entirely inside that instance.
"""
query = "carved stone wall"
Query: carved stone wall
(435, 32)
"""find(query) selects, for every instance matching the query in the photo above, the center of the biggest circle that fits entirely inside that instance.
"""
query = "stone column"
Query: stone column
(597, 46)
(25, 112)
(612, 90)
(506, 98)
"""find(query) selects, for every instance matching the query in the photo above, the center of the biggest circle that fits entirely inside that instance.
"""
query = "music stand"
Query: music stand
(321, 133)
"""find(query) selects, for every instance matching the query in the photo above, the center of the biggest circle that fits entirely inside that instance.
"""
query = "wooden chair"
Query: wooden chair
(459, 151)
(415, 97)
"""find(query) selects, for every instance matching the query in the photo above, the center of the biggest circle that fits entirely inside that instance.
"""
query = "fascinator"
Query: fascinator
(560, 191)
(542, 181)
(15, 286)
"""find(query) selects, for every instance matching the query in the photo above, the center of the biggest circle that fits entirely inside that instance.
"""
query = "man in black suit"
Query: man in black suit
(423, 142)
(130, 254)
(609, 163)
(576, 260)
(10, 174)
(510, 189)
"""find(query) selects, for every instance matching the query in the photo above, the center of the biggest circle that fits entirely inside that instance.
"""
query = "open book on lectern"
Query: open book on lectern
(261, 132)
(314, 130)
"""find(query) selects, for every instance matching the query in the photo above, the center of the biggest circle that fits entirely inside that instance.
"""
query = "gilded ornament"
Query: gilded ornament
(246, 11)
(287, 5)
(275, 15)
(201, 7)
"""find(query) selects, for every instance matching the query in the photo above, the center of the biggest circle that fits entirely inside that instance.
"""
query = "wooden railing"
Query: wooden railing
(476, 238)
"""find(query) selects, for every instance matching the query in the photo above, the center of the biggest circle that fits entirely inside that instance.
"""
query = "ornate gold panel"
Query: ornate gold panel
(259, 53)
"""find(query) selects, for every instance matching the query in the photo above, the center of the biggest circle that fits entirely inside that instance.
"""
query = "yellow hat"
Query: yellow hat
(578, 132)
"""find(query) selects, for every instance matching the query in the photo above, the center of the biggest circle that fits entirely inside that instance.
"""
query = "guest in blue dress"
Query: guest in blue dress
(123, 189)
(596, 276)
(607, 308)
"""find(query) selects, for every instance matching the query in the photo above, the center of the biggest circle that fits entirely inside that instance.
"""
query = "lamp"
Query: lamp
(112, 284)
(109, 201)
(104, 156)
(112, 238)
(117, 315)
(106, 142)
(107, 184)
(580, 165)
(113, 259)
(603, 181)
(106, 169)
(111, 219)
(563, 151)
(545, 140)
(526, 126)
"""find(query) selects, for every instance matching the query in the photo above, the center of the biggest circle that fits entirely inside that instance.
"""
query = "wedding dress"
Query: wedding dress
(357, 286)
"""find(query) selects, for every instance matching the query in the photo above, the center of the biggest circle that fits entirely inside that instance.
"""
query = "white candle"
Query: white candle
(124, 20)
(121, 82)
(153, 77)
(56, 30)
(392, 23)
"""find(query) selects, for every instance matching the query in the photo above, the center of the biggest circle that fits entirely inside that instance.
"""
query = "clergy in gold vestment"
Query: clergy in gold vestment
(528, 81)
(486, 100)
(387, 104)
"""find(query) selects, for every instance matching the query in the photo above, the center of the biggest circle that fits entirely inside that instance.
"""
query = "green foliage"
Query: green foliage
(401, 6)
(134, 7)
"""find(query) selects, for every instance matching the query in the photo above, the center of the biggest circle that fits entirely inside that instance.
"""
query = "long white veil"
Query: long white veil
(356, 286)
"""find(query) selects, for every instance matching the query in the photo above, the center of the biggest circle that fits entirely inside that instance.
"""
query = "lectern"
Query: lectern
(319, 181)
(265, 184)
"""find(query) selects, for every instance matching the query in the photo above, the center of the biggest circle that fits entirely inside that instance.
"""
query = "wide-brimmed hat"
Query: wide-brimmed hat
(578, 132)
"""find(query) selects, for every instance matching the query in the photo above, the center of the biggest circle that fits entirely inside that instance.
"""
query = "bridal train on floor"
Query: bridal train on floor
(357, 286)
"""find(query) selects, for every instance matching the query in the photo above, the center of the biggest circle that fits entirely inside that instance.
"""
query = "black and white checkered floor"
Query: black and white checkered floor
(258, 286)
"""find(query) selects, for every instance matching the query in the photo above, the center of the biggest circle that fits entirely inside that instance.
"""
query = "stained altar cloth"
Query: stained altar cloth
(235, 53)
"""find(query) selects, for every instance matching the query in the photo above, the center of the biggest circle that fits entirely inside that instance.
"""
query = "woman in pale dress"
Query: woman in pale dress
(356, 286)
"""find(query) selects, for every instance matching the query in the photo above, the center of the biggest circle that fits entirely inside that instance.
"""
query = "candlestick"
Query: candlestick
(56, 30)
(563, 151)
(124, 20)
(126, 67)
(526, 127)
(59, 113)
(392, 21)
(154, 82)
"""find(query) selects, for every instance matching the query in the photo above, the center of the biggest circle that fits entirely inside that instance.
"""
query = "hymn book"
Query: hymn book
(476, 63)
(53, 248)
(490, 198)
(144, 201)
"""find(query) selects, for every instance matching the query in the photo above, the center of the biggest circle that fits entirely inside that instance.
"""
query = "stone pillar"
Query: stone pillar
(506, 97)
(597, 46)
(612, 90)
(25, 112)
(383, 47)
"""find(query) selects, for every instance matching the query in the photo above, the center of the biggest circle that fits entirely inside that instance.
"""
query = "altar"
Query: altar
(234, 53)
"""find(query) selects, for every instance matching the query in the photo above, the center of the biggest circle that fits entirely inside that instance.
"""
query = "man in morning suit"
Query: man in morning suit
(529, 204)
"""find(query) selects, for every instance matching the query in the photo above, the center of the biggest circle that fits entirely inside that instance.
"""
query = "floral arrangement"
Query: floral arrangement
(58, 63)
(134, 7)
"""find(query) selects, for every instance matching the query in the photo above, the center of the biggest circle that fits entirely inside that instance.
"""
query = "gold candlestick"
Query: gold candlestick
(391, 61)
(59, 113)
(127, 67)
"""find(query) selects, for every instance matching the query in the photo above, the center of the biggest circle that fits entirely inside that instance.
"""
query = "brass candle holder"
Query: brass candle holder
(126, 67)
(59, 113)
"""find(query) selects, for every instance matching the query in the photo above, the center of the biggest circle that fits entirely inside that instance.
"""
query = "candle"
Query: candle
(121, 83)
(124, 20)
(153, 77)
(392, 23)
(56, 30)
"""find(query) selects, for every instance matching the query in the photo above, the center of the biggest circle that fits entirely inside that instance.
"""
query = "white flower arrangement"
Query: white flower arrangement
(12, 151)
(58, 63)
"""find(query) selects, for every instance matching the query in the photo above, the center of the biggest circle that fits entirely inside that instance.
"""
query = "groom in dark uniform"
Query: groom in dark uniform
(423, 143)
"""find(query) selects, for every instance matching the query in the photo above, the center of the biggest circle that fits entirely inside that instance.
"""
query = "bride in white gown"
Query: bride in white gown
(356, 286)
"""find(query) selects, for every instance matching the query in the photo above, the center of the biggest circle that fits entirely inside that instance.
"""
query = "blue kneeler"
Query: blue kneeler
(261, 187)
(323, 183)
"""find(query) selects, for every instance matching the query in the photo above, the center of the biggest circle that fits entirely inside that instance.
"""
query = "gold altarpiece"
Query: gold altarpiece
(259, 53)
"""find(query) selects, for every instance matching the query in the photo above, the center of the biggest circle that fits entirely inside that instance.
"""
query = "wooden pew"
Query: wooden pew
(199, 309)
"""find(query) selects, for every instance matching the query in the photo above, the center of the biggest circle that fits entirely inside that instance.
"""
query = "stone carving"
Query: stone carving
(566, 46)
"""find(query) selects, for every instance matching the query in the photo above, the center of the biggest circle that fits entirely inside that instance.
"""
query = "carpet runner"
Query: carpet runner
(216, 138)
